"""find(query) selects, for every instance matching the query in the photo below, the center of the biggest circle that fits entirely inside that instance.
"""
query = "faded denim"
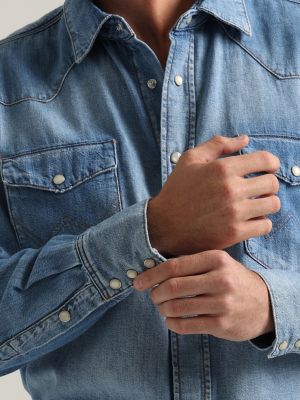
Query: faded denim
(84, 143)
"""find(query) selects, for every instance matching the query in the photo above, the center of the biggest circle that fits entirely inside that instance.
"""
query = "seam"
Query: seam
(68, 29)
(277, 74)
(12, 220)
(48, 188)
(55, 147)
(82, 258)
(36, 324)
(35, 30)
(167, 101)
(89, 268)
(247, 17)
(46, 100)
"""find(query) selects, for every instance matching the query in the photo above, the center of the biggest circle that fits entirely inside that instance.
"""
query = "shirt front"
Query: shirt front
(91, 126)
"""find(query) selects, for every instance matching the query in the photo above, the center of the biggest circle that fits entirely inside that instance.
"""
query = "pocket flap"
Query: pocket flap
(59, 168)
(286, 148)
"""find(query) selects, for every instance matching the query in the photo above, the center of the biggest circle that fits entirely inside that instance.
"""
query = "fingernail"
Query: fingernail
(241, 137)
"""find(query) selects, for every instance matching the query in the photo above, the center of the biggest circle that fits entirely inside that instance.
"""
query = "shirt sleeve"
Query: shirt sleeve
(284, 290)
(51, 295)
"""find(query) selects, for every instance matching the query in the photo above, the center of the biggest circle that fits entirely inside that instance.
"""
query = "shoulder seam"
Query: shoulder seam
(37, 29)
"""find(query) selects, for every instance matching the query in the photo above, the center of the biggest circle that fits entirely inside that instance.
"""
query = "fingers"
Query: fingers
(218, 145)
(260, 185)
(258, 161)
(192, 306)
(259, 226)
(175, 288)
(252, 208)
(198, 263)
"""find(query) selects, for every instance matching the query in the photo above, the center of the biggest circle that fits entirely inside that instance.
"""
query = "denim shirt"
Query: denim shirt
(90, 127)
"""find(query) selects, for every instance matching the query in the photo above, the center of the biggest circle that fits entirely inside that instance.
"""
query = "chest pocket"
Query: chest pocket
(281, 247)
(65, 189)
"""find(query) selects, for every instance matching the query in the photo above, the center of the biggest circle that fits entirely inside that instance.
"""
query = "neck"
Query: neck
(151, 20)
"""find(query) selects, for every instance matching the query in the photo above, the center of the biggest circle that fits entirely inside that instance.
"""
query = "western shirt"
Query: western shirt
(91, 127)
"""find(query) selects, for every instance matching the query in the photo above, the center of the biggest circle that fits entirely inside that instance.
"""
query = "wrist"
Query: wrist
(158, 238)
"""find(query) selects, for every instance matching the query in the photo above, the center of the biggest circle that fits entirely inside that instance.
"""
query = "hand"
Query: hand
(207, 203)
(230, 301)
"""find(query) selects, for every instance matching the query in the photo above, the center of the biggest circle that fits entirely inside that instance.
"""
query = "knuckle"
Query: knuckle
(275, 203)
(270, 159)
(187, 157)
(229, 191)
(266, 156)
(219, 139)
(220, 167)
(233, 210)
(173, 267)
(177, 308)
(221, 258)
(226, 282)
(221, 323)
(268, 225)
(274, 183)
(173, 286)
(227, 303)
(233, 231)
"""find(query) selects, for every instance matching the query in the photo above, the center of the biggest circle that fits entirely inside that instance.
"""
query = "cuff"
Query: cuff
(117, 249)
(284, 290)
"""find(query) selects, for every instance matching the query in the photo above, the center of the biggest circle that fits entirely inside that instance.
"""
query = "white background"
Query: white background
(15, 14)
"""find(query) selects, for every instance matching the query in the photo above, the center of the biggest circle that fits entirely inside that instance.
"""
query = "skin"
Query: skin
(151, 20)
(205, 205)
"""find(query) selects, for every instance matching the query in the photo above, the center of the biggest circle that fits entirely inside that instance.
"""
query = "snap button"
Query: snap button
(131, 273)
(189, 20)
(152, 83)
(115, 283)
(296, 170)
(175, 157)
(283, 345)
(58, 179)
(178, 80)
(64, 316)
(119, 27)
(297, 343)
(149, 263)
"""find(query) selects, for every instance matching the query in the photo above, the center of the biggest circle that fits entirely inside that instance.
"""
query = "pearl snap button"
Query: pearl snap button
(297, 343)
(283, 345)
(64, 316)
(149, 263)
(115, 283)
(131, 273)
(296, 170)
(178, 80)
(58, 179)
(119, 27)
(189, 20)
(152, 83)
(175, 157)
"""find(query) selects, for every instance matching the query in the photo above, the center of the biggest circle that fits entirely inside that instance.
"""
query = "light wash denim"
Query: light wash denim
(85, 141)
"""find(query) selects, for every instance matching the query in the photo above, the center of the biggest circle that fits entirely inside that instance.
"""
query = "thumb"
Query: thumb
(213, 148)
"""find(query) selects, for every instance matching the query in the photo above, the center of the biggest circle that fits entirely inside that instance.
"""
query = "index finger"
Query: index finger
(193, 264)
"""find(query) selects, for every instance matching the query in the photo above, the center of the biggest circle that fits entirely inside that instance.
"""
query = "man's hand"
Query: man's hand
(230, 301)
(207, 203)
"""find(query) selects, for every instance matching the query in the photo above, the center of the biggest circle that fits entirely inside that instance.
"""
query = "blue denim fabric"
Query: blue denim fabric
(84, 144)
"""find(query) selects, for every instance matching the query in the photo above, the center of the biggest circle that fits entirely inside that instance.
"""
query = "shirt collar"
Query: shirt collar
(232, 12)
(84, 20)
